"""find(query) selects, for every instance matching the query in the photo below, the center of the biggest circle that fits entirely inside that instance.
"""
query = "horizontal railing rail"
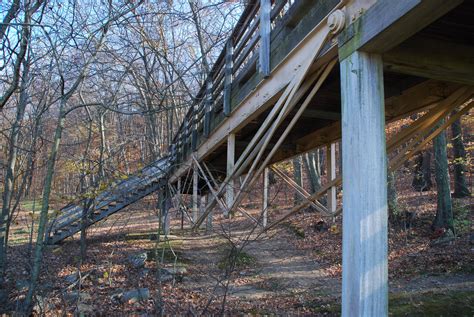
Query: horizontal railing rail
(243, 50)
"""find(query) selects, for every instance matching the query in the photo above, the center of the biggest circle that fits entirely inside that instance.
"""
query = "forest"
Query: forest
(93, 93)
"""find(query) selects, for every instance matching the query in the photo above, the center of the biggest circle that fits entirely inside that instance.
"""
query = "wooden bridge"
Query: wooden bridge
(298, 75)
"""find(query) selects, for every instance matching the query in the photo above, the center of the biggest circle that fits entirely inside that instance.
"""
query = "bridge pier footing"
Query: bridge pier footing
(364, 159)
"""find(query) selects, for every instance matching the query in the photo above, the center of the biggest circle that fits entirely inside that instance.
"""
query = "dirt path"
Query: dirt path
(280, 271)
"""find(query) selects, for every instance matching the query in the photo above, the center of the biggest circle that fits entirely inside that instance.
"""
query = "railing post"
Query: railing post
(265, 27)
(208, 107)
(229, 52)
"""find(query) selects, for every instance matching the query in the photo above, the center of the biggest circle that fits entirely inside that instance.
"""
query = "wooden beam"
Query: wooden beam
(320, 114)
(388, 23)
(365, 214)
(430, 58)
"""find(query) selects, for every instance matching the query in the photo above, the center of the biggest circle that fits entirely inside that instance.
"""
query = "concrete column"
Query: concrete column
(364, 160)
(230, 168)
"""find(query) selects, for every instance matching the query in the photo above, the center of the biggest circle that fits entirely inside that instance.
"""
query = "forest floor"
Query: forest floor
(293, 269)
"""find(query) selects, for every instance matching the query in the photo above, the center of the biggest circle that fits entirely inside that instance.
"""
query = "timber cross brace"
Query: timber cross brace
(393, 61)
(295, 76)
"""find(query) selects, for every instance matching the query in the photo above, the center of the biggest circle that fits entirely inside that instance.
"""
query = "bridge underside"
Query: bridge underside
(390, 60)
(420, 71)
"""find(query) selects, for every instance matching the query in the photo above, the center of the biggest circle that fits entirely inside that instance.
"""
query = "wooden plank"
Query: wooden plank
(320, 114)
(208, 110)
(228, 77)
(430, 58)
(264, 57)
(388, 23)
(364, 159)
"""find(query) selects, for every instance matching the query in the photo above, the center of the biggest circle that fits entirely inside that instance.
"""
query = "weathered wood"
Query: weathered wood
(364, 159)
(228, 76)
(300, 191)
(264, 57)
(388, 23)
(264, 94)
(398, 161)
(430, 58)
(230, 171)
(320, 114)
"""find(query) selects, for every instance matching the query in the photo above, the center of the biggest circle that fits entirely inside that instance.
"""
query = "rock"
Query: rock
(41, 304)
(174, 271)
(144, 272)
(73, 296)
(166, 278)
(321, 226)
(136, 295)
(138, 260)
(72, 278)
(84, 309)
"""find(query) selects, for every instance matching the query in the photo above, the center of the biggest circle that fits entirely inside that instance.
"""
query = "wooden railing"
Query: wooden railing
(246, 50)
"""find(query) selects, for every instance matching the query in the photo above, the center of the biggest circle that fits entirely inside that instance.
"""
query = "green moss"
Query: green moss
(239, 258)
(297, 231)
(450, 303)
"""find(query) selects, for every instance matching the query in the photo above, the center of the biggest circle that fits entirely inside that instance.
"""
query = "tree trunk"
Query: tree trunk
(460, 184)
(392, 193)
(10, 170)
(313, 168)
(43, 220)
(422, 173)
(297, 177)
(444, 212)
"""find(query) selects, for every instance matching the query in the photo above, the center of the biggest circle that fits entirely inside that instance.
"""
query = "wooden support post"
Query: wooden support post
(229, 52)
(202, 208)
(209, 216)
(195, 193)
(230, 169)
(331, 175)
(265, 197)
(364, 159)
(265, 28)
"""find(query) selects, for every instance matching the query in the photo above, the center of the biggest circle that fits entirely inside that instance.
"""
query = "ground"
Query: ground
(292, 269)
